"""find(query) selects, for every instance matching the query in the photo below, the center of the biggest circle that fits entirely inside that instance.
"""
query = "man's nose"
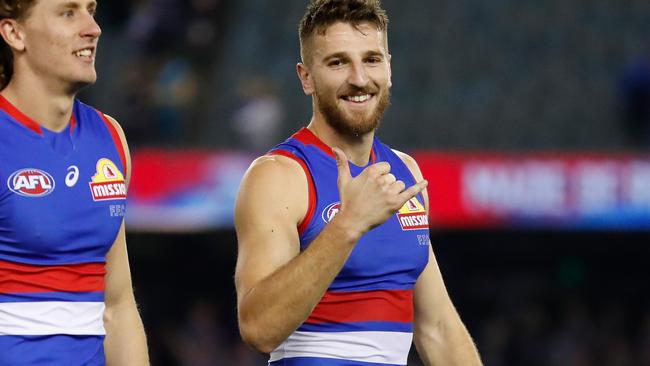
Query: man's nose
(91, 29)
(358, 76)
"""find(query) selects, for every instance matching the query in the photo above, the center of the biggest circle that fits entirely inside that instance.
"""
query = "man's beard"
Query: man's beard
(354, 124)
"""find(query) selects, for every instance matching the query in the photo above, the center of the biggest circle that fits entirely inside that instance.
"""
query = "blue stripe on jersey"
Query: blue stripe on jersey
(358, 327)
(58, 350)
(314, 361)
(53, 296)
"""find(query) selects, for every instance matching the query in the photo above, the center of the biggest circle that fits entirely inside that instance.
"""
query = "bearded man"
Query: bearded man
(335, 266)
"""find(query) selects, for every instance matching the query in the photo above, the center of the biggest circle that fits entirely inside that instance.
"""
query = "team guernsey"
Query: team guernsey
(62, 201)
(366, 315)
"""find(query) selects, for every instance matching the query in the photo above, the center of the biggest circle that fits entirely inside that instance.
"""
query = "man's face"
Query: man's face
(60, 40)
(350, 74)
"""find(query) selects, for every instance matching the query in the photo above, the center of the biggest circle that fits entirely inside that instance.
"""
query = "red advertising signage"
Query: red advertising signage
(580, 191)
(184, 190)
(174, 190)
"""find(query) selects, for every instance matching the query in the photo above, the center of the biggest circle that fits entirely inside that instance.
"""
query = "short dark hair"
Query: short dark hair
(322, 13)
(12, 9)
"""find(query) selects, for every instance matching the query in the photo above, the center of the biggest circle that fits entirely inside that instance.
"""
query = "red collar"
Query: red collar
(20, 117)
(307, 137)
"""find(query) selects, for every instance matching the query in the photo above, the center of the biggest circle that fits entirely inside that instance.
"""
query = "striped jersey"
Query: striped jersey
(62, 201)
(366, 315)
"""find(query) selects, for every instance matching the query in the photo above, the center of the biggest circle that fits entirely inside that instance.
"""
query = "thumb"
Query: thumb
(342, 165)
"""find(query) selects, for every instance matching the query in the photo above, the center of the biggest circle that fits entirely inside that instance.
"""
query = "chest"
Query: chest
(59, 208)
(392, 254)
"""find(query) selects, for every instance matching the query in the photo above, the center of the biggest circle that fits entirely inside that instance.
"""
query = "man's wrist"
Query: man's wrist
(346, 228)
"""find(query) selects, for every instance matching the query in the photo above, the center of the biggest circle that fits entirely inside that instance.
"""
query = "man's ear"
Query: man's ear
(10, 32)
(390, 71)
(305, 78)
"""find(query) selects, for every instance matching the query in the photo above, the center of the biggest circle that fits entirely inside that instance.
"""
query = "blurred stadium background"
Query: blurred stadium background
(531, 119)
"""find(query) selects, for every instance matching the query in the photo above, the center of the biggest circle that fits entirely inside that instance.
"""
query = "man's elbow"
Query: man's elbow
(117, 310)
(257, 338)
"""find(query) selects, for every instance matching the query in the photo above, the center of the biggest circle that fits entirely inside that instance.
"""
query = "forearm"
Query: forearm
(448, 343)
(125, 342)
(277, 305)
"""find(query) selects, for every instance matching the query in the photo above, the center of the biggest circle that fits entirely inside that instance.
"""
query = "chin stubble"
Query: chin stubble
(353, 125)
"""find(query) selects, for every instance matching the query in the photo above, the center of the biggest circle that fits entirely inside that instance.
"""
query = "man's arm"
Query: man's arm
(277, 285)
(125, 342)
(439, 334)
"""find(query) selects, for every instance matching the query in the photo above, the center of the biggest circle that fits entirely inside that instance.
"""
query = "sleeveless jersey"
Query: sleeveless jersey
(62, 201)
(366, 315)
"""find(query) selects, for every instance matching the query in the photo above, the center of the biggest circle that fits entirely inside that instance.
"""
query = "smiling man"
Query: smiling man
(335, 266)
(65, 284)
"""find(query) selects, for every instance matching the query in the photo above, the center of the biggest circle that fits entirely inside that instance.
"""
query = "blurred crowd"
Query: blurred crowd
(570, 329)
(173, 45)
(486, 75)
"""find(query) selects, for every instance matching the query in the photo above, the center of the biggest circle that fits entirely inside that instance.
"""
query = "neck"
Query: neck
(357, 148)
(51, 110)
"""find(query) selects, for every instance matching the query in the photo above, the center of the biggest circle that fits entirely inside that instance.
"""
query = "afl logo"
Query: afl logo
(330, 211)
(31, 183)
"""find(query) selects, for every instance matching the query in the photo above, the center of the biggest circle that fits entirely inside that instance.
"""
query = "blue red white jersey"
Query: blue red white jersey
(62, 201)
(366, 315)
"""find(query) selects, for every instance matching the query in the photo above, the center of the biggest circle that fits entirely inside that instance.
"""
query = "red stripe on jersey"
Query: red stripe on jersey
(364, 306)
(27, 278)
(116, 139)
(23, 119)
(73, 123)
(307, 137)
(19, 116)
(373, 157)
(311, 205)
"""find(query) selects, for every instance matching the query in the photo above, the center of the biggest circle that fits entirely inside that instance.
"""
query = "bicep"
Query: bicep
(271, 201)
(118, 273)
(431, 300)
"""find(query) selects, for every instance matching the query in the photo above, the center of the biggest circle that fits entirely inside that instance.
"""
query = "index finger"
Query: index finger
(413, 190)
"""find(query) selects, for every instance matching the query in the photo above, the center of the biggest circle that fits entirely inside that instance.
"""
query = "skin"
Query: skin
(125, 342)
(47, 76)
(47, 73)
(438, 332)
(346, 61)
(278, 285)
(326, 86)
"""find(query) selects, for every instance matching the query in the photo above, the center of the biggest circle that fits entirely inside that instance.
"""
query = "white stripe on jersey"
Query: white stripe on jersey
(52, 317)
(377, 347)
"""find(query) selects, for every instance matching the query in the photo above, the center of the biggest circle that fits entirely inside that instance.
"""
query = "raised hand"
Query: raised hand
(373, 196)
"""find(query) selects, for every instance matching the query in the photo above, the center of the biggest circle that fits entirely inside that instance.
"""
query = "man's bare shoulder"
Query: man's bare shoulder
(274, 167)
(274, 183)
(410, 163)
